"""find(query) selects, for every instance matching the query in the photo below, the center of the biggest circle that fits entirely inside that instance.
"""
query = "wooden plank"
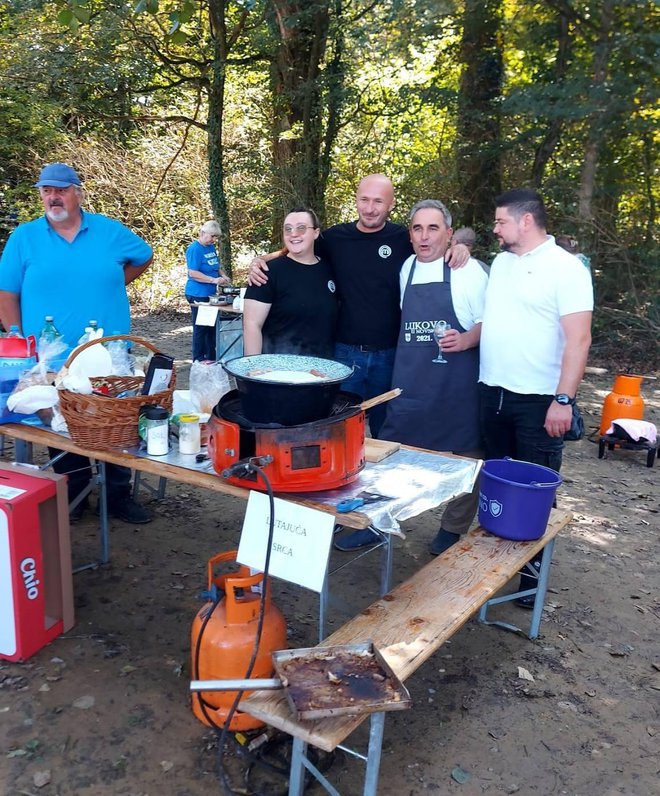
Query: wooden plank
(410, 623)
(375, 450)
(203, 480)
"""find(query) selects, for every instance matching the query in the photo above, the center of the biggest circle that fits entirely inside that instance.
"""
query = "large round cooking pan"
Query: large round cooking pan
(286, 388)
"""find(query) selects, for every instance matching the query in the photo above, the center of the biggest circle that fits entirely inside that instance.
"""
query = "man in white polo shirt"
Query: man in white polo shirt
(535, 339)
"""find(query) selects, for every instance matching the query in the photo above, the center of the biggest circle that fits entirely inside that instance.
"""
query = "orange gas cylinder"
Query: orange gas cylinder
(221, 647)
(623, 401)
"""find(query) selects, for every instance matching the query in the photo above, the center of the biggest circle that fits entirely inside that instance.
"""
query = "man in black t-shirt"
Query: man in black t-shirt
(366, 256)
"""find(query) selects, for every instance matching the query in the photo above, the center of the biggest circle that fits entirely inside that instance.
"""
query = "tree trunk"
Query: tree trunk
(597, 121)
(302, 32)
(478, 110)
(556, 123)
(216, 104)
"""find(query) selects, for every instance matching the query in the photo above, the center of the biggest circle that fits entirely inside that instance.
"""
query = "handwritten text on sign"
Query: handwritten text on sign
(301, 540)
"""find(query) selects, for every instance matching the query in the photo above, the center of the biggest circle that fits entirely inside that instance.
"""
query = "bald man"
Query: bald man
(366, 257)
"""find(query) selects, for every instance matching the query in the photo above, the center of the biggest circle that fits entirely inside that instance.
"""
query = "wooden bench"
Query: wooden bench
(408, 625)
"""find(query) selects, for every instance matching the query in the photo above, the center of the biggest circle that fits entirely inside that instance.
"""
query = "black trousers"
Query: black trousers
(79, 471)
(512, 425)
(203, 337)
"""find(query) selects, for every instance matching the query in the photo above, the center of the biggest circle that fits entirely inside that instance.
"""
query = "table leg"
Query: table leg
(387, 557)
(23, 451)
(297, 771)
(539, 598)
(376, 729)
(324, 599)
(541, 589)
(300, 762)
(159, 492)
(103, 512)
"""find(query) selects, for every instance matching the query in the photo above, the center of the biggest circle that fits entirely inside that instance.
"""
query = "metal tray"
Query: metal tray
(343, 680)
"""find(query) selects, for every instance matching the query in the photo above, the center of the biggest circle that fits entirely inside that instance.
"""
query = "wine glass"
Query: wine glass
(439, 331)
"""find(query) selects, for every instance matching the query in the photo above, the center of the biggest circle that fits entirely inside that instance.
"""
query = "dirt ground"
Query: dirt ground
(105, 710)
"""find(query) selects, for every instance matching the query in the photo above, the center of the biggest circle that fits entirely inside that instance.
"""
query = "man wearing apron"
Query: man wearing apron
(439, 406)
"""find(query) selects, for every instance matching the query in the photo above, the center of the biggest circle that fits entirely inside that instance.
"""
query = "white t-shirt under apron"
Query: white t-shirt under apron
(468, 286)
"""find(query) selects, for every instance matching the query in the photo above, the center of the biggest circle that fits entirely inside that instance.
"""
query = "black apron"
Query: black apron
(439, 406)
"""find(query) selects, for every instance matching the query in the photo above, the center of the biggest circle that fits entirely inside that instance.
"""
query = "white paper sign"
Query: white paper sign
(301, 540)
(10, 492)
(206, 315)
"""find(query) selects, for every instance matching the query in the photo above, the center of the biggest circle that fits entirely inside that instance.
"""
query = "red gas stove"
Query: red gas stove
(324, 454)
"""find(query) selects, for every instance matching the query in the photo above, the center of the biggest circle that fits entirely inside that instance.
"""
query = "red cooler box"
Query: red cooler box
(36, 584)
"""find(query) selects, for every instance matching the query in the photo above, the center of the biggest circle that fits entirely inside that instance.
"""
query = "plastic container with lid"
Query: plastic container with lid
(625, 401)
(189, 434)
(154, 428)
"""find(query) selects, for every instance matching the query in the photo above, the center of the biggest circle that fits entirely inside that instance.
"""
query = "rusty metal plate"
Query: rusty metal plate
(339, 681)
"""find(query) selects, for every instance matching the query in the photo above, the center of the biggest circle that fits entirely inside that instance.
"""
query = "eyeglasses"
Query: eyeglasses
(299, 229)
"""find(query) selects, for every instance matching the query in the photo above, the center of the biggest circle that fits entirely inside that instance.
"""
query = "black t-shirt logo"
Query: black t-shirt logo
(331, 286)
(384, 251)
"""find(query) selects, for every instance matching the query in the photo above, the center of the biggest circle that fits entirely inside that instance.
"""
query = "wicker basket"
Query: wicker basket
(105, 422)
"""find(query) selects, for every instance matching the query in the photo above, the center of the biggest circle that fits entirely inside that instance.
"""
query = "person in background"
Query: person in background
(204, 276)
(366, 256)
(74, 265)
(295, 311)
(535, 339)
(573, 247)
(439, 407)
(467, 236)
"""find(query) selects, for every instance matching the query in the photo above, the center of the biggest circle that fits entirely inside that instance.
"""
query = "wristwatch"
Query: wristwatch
(564, 400)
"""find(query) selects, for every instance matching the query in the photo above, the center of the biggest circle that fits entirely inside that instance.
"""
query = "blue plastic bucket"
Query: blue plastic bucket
(515, 498)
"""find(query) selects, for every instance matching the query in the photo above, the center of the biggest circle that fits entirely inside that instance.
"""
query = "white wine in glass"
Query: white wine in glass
(439, 331)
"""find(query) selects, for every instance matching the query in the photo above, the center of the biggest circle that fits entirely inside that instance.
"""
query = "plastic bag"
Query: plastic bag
(50, 356)
(31, 394)
(123, 363)
(208, 383)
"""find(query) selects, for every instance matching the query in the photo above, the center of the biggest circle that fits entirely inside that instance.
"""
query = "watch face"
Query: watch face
(562, 398)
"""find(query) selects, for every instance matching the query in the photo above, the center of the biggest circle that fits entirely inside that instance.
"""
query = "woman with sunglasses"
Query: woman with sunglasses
(295, 312)
(204, 276)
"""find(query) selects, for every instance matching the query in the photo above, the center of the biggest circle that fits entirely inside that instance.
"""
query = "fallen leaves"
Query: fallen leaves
(460, 776)
(41, 778)
(84, 702)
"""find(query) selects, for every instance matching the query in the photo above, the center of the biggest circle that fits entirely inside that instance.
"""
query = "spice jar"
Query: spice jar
(155, 420)
(189, 434)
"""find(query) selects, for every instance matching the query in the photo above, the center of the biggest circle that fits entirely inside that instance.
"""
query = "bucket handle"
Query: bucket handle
(541, 484)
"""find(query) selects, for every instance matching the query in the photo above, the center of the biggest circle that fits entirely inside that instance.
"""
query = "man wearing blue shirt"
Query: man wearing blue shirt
(74, 266)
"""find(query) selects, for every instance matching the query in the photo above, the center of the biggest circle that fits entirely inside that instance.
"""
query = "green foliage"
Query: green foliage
(170, 107)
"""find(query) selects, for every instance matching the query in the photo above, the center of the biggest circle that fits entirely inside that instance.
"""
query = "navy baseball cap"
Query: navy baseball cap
(57, 175)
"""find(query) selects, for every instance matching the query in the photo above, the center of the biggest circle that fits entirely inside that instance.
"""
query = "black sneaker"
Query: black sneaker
(357, 540)
(443, 541)
(130, 511)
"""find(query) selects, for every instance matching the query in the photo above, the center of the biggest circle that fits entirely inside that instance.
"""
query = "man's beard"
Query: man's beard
(57, 214)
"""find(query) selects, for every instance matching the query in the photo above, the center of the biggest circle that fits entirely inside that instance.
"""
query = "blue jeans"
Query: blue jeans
(372, 376)
(203, 338)
(512, 425)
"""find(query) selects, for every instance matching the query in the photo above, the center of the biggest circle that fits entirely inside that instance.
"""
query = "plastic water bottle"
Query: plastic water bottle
(121, 360)
(86, 336)
(50, 333)
(14, 332)
(93, 325)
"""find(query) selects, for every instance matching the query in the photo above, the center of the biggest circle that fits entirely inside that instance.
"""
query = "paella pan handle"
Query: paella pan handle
(380, 399)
